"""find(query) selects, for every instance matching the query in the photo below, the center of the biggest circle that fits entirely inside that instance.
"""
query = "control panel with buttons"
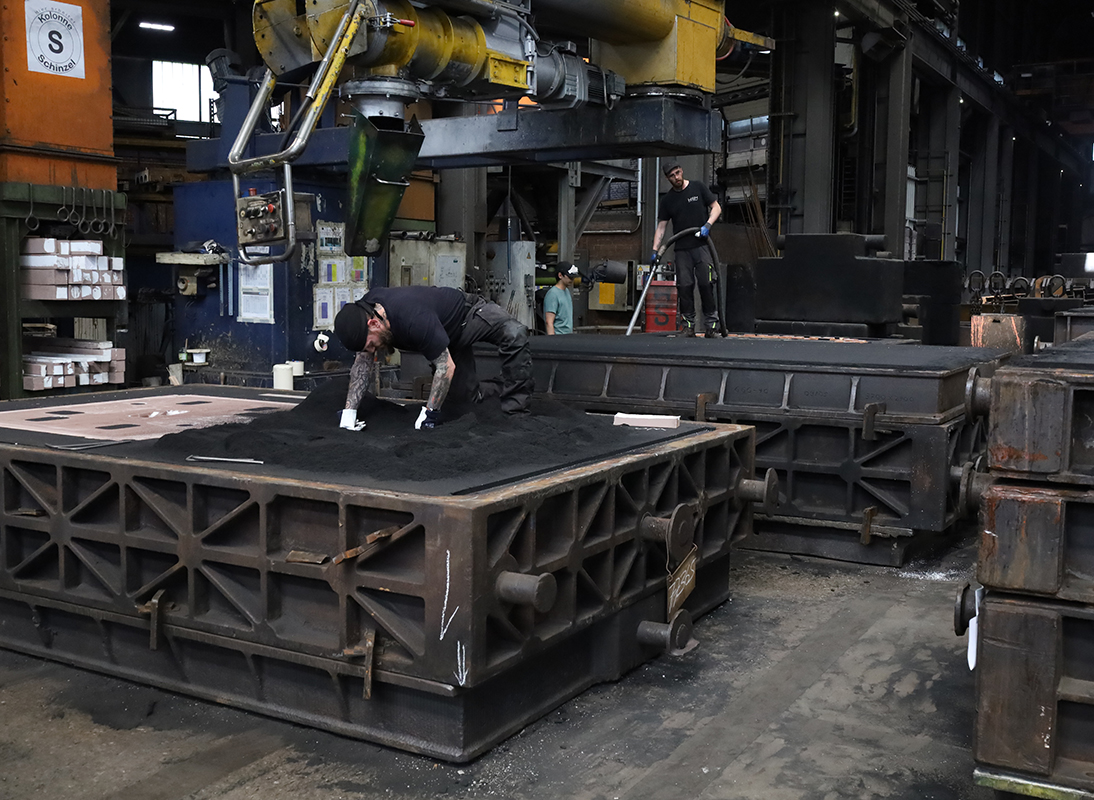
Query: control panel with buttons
(261, 218)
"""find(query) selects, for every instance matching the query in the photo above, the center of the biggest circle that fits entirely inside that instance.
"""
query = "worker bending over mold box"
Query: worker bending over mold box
(442, 324)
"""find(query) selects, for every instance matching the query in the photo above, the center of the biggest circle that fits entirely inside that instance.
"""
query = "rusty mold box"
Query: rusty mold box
(1035, 690)
(436, 623)
(1041, 415)
(1038, 540)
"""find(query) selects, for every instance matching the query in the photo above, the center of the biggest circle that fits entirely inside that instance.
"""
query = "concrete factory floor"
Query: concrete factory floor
(817, 680)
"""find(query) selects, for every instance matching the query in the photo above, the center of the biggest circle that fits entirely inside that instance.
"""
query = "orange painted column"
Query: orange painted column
(56, 125)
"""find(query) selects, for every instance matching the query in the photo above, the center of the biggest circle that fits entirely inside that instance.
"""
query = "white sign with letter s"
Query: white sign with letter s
(55, 38)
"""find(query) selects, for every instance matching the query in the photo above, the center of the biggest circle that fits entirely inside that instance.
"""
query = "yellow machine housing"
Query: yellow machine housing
(684, 57)
(433, 46)
(666, 42)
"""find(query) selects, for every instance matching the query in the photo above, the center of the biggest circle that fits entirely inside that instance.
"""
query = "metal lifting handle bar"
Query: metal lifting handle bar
(318, 94)
(657, 269)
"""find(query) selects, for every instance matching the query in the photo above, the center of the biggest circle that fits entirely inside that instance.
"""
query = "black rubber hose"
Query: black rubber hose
(719, 288)
(719, 296)
(668, 242)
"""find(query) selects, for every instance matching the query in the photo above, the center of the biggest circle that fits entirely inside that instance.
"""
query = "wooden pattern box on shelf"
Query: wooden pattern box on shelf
(58, 269)
(50, 363)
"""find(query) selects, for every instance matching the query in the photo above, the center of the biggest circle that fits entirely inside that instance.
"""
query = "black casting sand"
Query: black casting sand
(483, 448)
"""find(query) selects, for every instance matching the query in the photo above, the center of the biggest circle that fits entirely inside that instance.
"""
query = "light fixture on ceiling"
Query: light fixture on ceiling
(157, 26)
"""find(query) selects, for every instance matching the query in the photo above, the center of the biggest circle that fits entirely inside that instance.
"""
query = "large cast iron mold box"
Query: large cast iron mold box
(438, 624)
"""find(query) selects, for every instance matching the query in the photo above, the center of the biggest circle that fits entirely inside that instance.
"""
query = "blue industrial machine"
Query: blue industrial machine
(251, 317)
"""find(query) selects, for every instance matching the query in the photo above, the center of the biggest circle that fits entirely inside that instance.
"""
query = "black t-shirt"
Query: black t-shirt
(687, 208)
(423, 319)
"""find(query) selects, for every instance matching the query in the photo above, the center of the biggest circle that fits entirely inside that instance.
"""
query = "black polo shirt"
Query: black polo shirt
(687, 208)
(423, 319)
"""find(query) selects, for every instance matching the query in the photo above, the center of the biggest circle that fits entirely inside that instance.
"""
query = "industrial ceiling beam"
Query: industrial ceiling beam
(880, 14)
(649, 126)
(638, 127)
(937, 59)
(607, 169)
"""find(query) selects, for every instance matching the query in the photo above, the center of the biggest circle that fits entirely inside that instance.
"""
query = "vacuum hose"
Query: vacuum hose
(719, 279)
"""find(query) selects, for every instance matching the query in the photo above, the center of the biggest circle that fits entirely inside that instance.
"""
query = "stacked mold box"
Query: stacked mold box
(829, 285)
(1035, 670)
(436, 623)
(869, 439)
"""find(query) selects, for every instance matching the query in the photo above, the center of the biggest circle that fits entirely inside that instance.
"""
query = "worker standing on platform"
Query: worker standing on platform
(690, 204)
(558, 304)
(442, 324)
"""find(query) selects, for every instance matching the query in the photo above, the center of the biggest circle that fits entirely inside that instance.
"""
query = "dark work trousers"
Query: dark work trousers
(693, 266)
(488, 322)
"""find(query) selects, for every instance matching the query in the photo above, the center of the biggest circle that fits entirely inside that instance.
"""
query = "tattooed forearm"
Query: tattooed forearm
(443, 369)
(360, 377)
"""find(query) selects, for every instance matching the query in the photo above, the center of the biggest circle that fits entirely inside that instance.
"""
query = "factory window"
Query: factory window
(187, 88)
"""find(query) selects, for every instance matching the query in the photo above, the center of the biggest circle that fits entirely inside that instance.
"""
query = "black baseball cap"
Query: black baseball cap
(669, 166)
(351, 326)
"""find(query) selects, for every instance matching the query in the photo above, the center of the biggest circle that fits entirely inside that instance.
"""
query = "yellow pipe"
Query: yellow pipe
(615, 21)
(436, 47)
(399, 42)
(450, 49)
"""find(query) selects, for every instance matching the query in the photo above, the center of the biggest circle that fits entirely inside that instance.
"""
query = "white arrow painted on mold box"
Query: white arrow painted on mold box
(461, 664)
(447, 585)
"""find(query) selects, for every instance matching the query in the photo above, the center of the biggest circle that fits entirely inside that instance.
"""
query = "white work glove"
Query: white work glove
(427, 418)
(349, 420)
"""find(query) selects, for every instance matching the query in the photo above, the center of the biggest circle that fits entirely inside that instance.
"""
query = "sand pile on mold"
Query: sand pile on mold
(308, 438)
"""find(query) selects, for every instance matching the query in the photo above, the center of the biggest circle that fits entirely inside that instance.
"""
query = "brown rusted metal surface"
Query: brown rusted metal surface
(1042, 424)
(1037, 540)
(254, 589)
(1042, 416)
(1028, 421)
(1003, 331)
(56, 127)
(137, 418)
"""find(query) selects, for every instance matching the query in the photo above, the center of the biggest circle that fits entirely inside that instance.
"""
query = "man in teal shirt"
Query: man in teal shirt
(558, 305)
